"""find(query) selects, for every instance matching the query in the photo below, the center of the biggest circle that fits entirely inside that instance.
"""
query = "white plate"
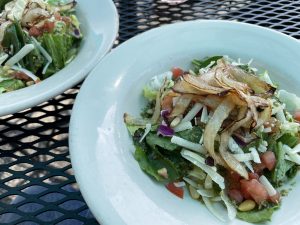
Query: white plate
(115, 188)
(99, 24)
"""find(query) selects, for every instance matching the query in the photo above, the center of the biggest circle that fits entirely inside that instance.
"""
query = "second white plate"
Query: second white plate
(99, 23)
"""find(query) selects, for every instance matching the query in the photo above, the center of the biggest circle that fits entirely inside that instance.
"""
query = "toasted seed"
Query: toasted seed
(175, 122)
(247, 205)
(193, 192)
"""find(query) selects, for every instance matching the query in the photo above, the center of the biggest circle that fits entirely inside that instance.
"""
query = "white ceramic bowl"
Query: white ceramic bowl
(115, 188)
(99, 24)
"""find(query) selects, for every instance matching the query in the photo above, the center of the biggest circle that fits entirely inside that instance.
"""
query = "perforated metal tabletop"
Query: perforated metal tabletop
(37, 184)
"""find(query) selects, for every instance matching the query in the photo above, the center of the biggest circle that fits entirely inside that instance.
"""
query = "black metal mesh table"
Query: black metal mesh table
(37, 184)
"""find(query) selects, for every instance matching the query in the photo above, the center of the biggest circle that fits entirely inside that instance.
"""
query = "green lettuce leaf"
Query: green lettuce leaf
(151, 160)
(133, 128)
(192, 135)
(10, 38)
(289, 139)
(282, 168)
(149, 93)
(58, 46)
(16, 37)
(11, 85)
(199, 64)
(257, 216)
(156, 159)
(141, 157)
(164, 142)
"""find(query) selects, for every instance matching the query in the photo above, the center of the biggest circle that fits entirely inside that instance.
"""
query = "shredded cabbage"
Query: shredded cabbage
(266, 183)
(183, 126)
(206, 193)
(243, 157)
(255, 155)
(187, 144)
(147, 130)
(20, 55)
(231, 210)
(211, 208)
(291, 100)
(193, 112)
(200, 162)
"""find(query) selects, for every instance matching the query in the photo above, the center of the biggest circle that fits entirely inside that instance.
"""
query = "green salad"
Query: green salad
(37, 39)
(224, 132)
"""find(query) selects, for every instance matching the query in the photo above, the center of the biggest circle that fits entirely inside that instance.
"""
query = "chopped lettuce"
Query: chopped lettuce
(141, 157)
(257, 216)
(164, 142)
(149, 93)
(291, 100)
(16, 37)
(58, 2)
(282, 168)
(154, 160)
(200, 64)
(289, 139)
(8, 83)
(11, 39)
(133, 128)
(58, 46)
(11, 85)
(151, 161)
(192, 135)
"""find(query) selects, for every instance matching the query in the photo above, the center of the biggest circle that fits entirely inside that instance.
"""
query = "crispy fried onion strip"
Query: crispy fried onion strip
(213, 126)
(257, 85)
(224, 140)
(181, 105)
(159, 96)
(197, 85)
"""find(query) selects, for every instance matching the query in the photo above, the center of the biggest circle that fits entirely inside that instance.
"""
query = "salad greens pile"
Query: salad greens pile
(37, 39)
(222, 130)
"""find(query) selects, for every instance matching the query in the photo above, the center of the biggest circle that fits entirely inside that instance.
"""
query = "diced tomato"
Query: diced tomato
(275, 198)
(235, 195)
(255, 190)
(178, 191)
(48, 26)
(244, 189)
(35, 32)
(167, 103)
(269, 160)
(177, 72)
(258, 168)
(253, 176)
(233, 180)
(297, 115)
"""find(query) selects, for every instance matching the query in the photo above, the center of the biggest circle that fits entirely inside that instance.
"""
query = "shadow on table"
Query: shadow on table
(8, 218)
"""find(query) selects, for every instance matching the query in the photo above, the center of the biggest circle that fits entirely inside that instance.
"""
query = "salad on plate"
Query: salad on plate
(224, 132)
(37, 39)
